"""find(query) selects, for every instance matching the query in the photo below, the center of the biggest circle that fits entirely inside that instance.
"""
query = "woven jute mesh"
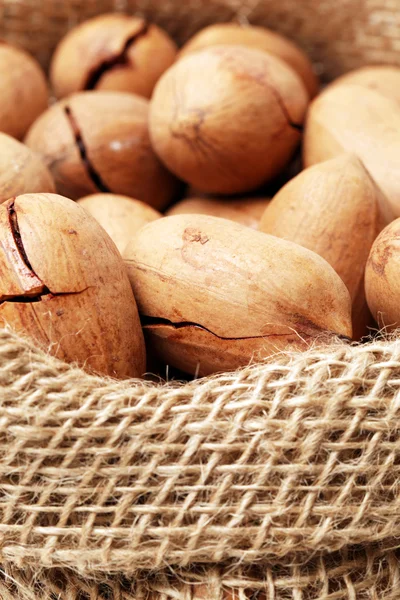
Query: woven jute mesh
(270, 466)
(280, 481)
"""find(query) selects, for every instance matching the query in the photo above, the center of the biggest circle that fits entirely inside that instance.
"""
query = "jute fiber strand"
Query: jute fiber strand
(273, 463)
(280, 481)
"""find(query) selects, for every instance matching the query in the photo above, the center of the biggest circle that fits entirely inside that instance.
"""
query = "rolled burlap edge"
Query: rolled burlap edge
(342, 576)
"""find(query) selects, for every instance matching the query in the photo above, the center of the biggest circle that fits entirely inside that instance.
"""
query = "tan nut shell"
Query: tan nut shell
(353, 118)
(21, 170)
(51, 250)
(382, 281)
(120, 216)
(112, 130)
(259, 38)
(222, 119)
(222, 294)
(384, 79)
(24, 93)
(247, 211)
(112, 52)
(332, 208)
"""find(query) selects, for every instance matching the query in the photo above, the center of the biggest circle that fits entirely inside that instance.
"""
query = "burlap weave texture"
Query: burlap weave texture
(297, 456)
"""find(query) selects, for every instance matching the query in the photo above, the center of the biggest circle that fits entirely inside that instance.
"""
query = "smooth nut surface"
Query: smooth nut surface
(384, 79)
(22, 171)
(333, 209)
(112, 52)
(120, 216)
(99, 142)
(247, 211)
(24, 92)
(382, 281)
(259, 38)
(64, 284)
(214, 294)
(353, 118)
(226, 119)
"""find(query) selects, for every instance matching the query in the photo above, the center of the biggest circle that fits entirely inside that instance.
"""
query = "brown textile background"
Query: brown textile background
(338, 34)
(272, 469)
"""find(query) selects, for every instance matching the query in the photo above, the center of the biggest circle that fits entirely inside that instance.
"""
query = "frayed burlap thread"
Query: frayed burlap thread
(273, 463)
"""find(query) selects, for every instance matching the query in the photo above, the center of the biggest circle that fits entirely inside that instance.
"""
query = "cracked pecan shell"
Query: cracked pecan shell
(63, 283)
(259, 38)
(214, 294)
(112, 52)
(99, 142)
(227, 119)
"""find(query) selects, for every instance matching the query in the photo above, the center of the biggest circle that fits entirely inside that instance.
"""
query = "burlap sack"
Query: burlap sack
(280, 479)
